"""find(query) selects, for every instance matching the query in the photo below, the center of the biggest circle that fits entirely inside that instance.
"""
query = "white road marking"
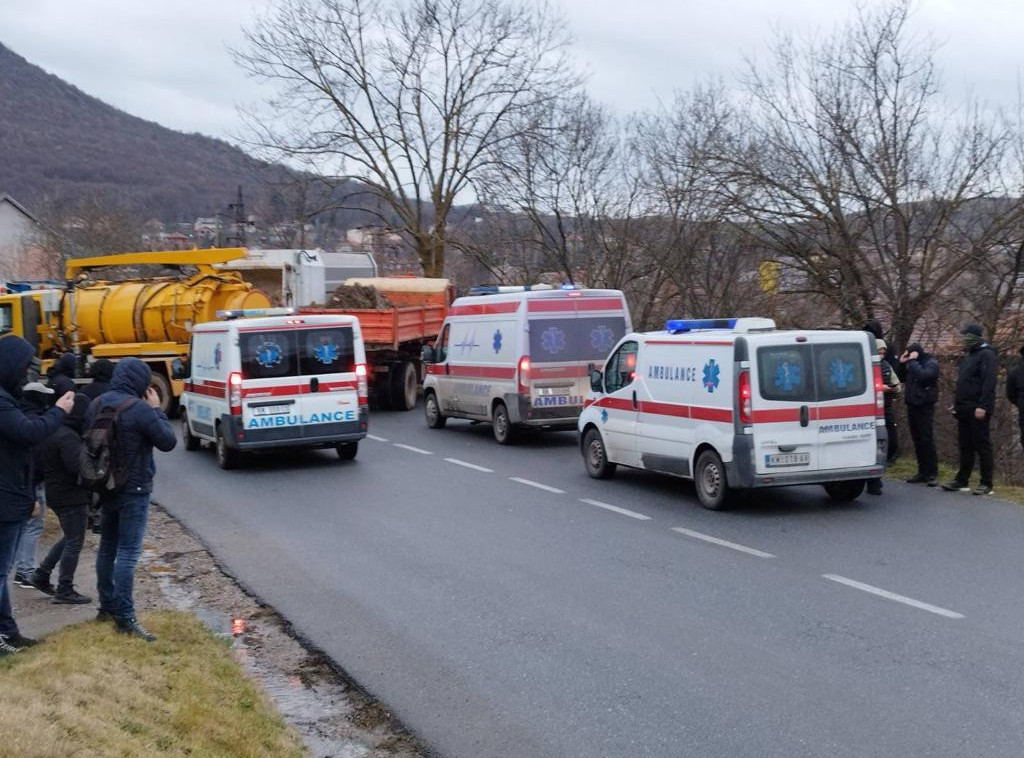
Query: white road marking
(617, 509)
(722, 543)
(412, 449)
(375, 438)
(893, 596)
(473, 466)
(538, 485)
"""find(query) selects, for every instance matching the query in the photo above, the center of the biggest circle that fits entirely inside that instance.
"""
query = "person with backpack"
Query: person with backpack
(18, 433)
(59, 459)
(122, 426)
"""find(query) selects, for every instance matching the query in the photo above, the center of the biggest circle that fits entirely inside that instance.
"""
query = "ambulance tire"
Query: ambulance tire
(347, 450)
(191, 442)
(432, 410)
(595, 457)
(504, 432)
(402, 381)
(845, 492)
(227, 458)
(710, 482)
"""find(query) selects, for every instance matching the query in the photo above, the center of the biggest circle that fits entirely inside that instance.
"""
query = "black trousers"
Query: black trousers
(921, 420)
(73, 521)
(973, 439)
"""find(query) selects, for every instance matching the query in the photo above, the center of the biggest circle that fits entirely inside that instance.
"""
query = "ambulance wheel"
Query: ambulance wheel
(190, 440)
(402, 381)
(845, 492)
(432, 410)
(595, 457)
(504, 432)
(347, 450)
(709, 479)
(227, 458)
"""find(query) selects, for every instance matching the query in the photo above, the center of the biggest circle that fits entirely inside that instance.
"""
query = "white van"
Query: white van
(734, 404)
(521, 358)
(280, 380)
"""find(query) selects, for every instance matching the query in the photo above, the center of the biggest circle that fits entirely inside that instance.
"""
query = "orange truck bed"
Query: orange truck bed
(390, 327)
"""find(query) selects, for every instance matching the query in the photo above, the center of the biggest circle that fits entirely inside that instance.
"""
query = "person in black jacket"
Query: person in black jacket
(973, 406)
(61, 375)
(140, 426)
(921, 393)
(18, 433)
(101, 370)
(58, 458)
(1015, 391)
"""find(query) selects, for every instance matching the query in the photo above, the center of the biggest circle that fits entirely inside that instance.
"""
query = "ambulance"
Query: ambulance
(735, 404)
(519, 357)
(263, 379)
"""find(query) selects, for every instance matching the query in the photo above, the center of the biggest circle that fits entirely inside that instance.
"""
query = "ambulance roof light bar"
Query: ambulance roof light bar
(254, 313)
(684, 325)
(504, 289)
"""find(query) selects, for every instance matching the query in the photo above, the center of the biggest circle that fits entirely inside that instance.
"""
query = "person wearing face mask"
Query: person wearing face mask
(921, 394)
(18, 433)
(974, 402)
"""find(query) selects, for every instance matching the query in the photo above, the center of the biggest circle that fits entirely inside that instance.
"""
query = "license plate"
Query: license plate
(554, 391)
(781, 460)
(271, 410)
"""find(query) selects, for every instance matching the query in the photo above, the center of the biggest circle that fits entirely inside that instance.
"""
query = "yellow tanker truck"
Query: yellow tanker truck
(148, 318)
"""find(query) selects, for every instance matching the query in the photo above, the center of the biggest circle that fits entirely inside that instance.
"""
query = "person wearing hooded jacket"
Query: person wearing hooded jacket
(101, 370)
(141, 426)
(921, 393)
(1015, 391)
(61, 375)
(18, 433)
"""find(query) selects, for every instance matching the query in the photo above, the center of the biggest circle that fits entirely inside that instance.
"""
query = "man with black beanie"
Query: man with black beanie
(1015, 391)
(973, 406)
(921, 393)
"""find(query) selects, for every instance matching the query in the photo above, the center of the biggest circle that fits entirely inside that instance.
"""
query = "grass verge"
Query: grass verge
(905, 467)
(87, 692)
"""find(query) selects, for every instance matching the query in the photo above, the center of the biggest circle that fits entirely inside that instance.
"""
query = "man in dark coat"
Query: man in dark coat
(141, 426)
(61, 375)
(58, 457)
(101, 370)
(973, 406)
(18, 433)
(1015, 391)
(921, 393)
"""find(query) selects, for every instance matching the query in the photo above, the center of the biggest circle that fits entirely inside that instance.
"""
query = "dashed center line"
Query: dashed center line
(538, 485)
(893, 596)
(722, 543)
(616, 509)
(412, 449)
(375, 438)
(466, 464)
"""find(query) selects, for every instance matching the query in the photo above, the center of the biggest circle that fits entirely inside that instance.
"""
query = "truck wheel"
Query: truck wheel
(191, 441)
(163, 389)
(347, 450)
(709, 479)
(504, 432)
(402, 380)
(227, 458)
(432, 410)
(845, 492)
(595, 457)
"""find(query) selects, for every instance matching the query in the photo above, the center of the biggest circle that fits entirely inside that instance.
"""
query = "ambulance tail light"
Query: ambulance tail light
(743, 398)
(361, 386)
(235, 393)
(879, 391)
(523, 374)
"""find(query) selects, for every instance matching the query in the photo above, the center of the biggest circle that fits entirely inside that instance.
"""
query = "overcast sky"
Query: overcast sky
(168, 61)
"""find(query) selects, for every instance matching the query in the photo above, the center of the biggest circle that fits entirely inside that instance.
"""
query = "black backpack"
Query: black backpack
(98, 468)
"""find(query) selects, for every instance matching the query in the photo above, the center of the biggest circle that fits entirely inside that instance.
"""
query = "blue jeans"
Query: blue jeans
(28, 539)
(121, 533)
(9, 531)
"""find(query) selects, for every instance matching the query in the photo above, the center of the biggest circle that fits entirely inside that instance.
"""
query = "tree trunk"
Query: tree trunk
(430, 251)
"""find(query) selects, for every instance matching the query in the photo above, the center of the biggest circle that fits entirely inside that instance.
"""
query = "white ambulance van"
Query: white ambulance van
(735, 404)
(520, 357)
(267, 378)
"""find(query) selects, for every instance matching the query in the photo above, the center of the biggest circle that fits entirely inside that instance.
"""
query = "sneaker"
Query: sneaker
(917, 479)
(933, 481)
(71, 598)
(135, 629)
(6, 648)
(22, 580)
(41, 583)
(982, 489)
(955, 486)
(20, 641)
(102, 615)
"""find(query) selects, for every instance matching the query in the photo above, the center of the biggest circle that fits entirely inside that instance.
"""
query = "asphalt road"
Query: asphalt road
(496, 602)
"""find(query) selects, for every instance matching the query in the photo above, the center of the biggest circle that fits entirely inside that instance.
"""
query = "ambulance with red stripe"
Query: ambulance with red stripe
(735, 404)
(519, 357)
(270, 378)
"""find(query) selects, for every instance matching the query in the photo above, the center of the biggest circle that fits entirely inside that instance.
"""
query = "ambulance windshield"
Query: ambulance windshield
(302, 352)
(590, 338)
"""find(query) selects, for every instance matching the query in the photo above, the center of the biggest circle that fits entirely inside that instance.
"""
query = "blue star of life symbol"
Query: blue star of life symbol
(711, 378)
(269, 354)
(496, 342)
(326, 353)
(602, 338)
(604, 415)
(840, 373)
(787, 376)
(552, 340)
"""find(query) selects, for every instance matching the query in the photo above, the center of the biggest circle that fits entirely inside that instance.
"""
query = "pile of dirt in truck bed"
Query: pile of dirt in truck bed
(357, 296)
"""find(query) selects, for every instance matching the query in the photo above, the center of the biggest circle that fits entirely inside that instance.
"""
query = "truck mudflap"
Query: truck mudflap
(310, 435)
(741, 475)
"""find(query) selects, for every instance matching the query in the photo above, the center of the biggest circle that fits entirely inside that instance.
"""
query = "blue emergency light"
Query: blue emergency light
(680, 325)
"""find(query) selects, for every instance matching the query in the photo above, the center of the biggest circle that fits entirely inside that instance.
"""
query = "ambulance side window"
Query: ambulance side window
(621, 368)
(442, 344)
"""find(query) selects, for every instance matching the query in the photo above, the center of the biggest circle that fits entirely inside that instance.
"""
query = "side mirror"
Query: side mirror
(596, 380)
(427, 354)
(178, 369)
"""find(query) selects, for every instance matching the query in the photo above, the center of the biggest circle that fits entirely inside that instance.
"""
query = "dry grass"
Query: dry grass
(906, 467)
(89, 692)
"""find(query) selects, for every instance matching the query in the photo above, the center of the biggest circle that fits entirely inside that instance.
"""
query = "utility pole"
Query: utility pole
(238, 208)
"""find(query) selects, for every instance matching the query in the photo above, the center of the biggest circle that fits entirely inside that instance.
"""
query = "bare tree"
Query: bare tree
(85, 227)
(412, 98)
